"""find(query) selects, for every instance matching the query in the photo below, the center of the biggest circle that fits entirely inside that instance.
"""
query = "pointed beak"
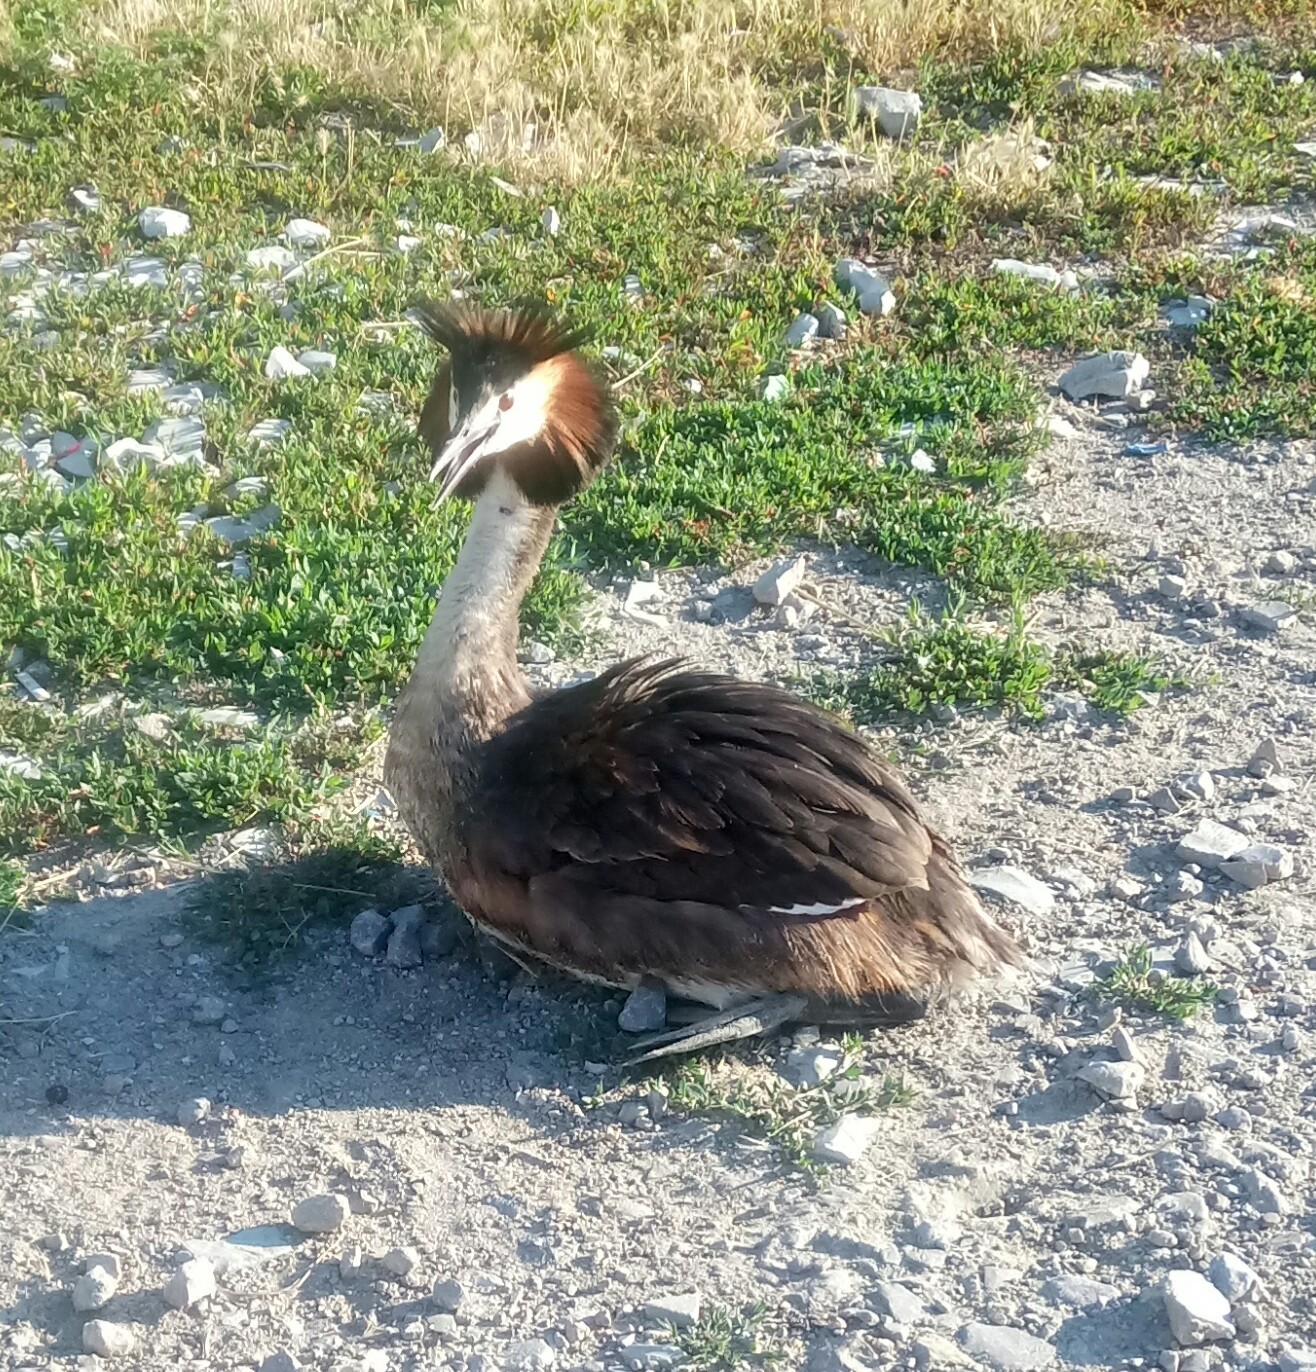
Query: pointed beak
(461, 452)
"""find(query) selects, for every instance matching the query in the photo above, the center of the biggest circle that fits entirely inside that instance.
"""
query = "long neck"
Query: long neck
(467, 661)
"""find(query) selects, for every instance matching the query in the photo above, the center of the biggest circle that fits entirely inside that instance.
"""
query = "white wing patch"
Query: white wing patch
(816, 909)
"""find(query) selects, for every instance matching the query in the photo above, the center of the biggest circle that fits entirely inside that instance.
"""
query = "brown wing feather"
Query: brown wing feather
(665, 820)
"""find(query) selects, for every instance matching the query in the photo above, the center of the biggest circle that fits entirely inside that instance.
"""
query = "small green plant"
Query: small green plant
(727, 1340)
(1136, 983)
(772, 1109)
(11, 885)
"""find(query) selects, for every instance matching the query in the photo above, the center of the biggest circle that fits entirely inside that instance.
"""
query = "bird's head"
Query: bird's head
(514, 393)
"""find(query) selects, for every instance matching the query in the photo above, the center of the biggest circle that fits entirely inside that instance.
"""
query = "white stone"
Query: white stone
(268, 431)
(1232, 1277)
(923, 462)
(407, 242)
(779, 581)
(1015, 885)
(94, 1288)
(682, 1311)
(159, 222)
(1033, 271)
(281, 365)
(432, 140)
(1210, 844)
(192, 1283)
(146, 271)
(1271, 616)
(803, 329)
(847, 1140)
(897, 112)
(1006, 1348)
(306, 233)
(108, 1340)
(1187, 314)
(806, 1067)
(1197, 1312)
(1257, 865)
(193, 1111)
(530, 1355)
(317, 361)
(274, 257)
(1106, 83)
(321, 1214)
(552, 222)
(1114, 374)
(775, 387)
(183, 440)
(871, 287)
(1114, 1080)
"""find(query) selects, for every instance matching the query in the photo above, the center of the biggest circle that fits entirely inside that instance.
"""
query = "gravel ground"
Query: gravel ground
(1069, 1186)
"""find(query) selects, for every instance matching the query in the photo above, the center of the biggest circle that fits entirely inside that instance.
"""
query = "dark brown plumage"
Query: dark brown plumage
(723, 837)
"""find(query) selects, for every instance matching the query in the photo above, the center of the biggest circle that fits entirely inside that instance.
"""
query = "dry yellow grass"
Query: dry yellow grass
(577, 81)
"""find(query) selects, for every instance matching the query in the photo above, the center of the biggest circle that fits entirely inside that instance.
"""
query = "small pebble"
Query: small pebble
(321, 1214)
(107, 1339)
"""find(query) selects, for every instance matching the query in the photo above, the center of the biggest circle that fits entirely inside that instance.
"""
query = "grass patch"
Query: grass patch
(950, 663)
(770, 1108)
(725, 1340)
(1134, 982)
(264, 909)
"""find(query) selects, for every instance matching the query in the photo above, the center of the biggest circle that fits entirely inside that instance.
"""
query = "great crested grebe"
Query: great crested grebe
(721, 837)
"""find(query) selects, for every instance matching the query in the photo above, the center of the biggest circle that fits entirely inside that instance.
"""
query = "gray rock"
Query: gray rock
(440, 935)
(193, 1111)
(280, 1362)
(401, 1262)
(1181, 886)
(682, 1312)
(1187, 314)
(272, 258)
(871, 287)
(775, 387)
(306, 233)
(404, 942)
(369, 933)
(897, 112)
(448, 1295)
(1080, 1293)
(1172, 587)
(531, 1355)
(1164, 800)
(1232, 1277)
(1006, 1348)
(846, 1141)
(1114, 374)
(1210, 844)
(552, 221)
(269, 431)
(159, 222)
(108, 1340)
(1280, 563)
(1196, 785)
(1114, 1080)
(1265, 761)
(1270, 616)
(1264, 1193)
(108, 1261)
(898, 1301)
(321, 1214)
(193, 1282)
(317, 361)
(1197, 1312)
(281, 365)
(808, 1067)
(1122, 1042)
(1191, 957)
(1297, 1360)
(1016, 886)
(1257, 865)
(1199, 1106)
(803, 329)
(779, 581)
(831, 322)
(645, 1009)
(93, 1289)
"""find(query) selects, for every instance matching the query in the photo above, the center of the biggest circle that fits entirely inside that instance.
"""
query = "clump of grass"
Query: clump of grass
(336, 875)
(1134, 982)
(949, 662)
(726, 1340)
(12, 877)
(774, 1110)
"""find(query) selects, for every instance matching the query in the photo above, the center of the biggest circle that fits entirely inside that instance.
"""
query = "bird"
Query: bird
(660, 824)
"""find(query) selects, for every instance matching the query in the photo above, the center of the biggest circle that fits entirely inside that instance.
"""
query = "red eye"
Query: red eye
(505, 401)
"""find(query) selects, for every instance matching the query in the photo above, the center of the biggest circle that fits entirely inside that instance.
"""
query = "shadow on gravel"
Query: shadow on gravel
(129, 1006)
(1110, 1337)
